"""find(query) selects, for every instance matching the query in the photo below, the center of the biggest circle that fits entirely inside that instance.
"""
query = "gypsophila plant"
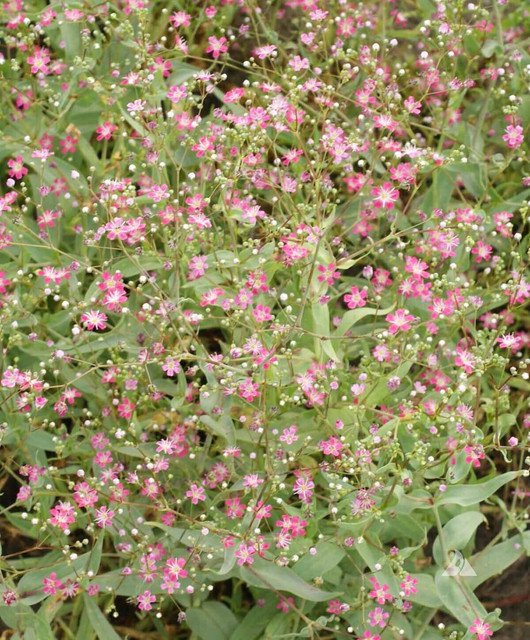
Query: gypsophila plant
(264, 284)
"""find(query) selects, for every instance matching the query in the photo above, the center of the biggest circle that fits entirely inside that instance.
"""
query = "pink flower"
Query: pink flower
(510, 341)
(84, 495)
(145, 601)
(196, 493)
(126, 408)
(175, 567)
(331, 447)
(248, 390)
(412, 106)
(408, 585)
(380, 592)
(327, 273)
(51, 584)
(400, 320)
(17, 169)
(104, 517)
(265, 51)
(356, 298)
(337, 607)
(62, 515)
(245, 554)
(514, 136)
(105, 131)
(217, 46)
(39, 60)
(293, 525)
(197, 267)
(378, 617)
(385, 196)
(482, 251)
(171, 366)
(262, 313)
(474, 454)
(180, 19)
(94, 320)
(47, 219)
(481, 629)
(404, 173)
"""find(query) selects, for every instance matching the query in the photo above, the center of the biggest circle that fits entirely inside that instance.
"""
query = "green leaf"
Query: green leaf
(457, 533)
(496, 559)
(279, 627)
(223, 427)
(268, 575)
(352, 317)
(458, 598)
(212, 621)
(132, 266)
(470, 494)
(426, 593)
(439, 194)
(320, 325)
(72, 39)
(253, 624)
(490, 47)
(328, 555)
(104, 630)
(380, 391)
(85, 631)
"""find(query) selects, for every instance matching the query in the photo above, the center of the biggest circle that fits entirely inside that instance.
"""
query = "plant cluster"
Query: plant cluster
(264, 283)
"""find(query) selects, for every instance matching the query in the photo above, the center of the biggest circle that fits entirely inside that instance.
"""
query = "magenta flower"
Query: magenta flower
(514, 136)
(385, 196)
(400, 320)
(245, 554)
(17, 169)
(481, 630)
(51, 584)
(145, 601)
(196, 494)
(94, 320)
(217, 46)
(356, 298)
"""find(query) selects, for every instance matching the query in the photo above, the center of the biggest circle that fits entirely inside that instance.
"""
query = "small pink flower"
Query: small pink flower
(514, 136)
(378, 617)
(262, 313)
(94, 320)
(105, 131)
(245, 554)
(400, 320)
(331, 447)
(104, 517)
(337, 607)
(356, 298)
(412, 106)
(17, 169)
(385, 196)
(51, 584)
(145, 601)
(482, 251)
(474, 454)
(171, 366)
(39, 60)
(217, 46)
(482, 630)
(196, 493)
